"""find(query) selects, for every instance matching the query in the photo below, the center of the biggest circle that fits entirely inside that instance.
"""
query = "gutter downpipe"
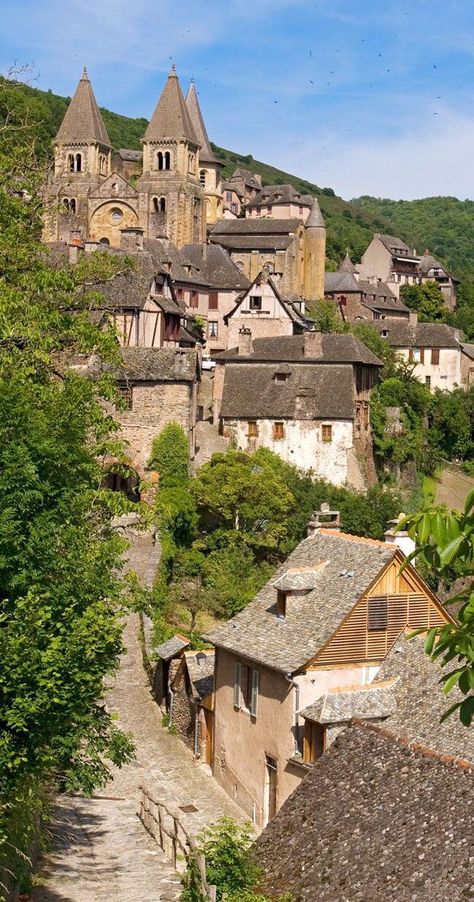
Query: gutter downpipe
(292, 682)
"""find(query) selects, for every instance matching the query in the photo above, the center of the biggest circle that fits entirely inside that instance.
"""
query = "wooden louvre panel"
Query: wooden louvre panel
(377, 613)
(213, 300)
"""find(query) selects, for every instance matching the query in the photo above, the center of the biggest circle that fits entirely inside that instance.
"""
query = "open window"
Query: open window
(255, 302)
(314, 742)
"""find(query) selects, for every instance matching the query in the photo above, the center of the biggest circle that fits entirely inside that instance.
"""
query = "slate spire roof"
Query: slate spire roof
(83, 121)
(192, 104)
(171, 118)
(347, 264)
(315, 218)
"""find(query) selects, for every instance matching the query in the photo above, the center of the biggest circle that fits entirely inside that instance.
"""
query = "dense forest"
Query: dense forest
(444, 224)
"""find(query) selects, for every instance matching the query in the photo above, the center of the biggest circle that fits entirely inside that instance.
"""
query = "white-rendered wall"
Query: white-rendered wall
(302, 445)
(445, 375)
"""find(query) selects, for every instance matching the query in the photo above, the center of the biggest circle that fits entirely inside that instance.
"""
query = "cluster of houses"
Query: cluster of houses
(214, 319)
(309, 704)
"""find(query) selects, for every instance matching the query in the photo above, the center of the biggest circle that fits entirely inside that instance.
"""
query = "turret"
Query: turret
(314, 254)
(82, 145)
(209, 166)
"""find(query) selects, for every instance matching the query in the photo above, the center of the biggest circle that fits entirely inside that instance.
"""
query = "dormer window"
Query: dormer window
(281, 603)
(255, 302)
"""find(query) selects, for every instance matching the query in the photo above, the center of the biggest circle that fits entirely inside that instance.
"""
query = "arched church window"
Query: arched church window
(155, 206)
(70, 162)
(104, 241)
(78, 162)
(159, 160)
(66, 204)
(202, 177)
(167, 160)
(162, 205)
(72, 205)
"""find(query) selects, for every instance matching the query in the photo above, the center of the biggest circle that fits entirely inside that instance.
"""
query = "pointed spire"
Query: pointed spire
(171, 117)
(83, 121)
(315, 219)
(194, 109)
(347, 264)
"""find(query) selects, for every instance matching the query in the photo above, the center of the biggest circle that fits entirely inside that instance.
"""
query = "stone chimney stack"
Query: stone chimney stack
(413, 318)
(245, 346)
(313, 344)
(399, 537)
(131, 239)
(76, 246)
(324, 517)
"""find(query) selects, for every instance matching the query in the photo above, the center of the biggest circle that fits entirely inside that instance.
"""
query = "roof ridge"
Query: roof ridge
(197, 121)
(354, 538)
(171, 117)
(417, 747)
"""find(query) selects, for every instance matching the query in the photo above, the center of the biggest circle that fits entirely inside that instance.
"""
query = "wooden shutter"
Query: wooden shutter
(435, 356)
(213, 300)
(254, 698)
(378, 613)
(237, 678)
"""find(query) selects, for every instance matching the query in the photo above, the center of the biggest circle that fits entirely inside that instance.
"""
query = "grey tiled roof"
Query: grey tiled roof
(159, 364)
(218, 269)
(428, 262)
(133, 156)
(341, 281)
(194, 109)
(373, 820)
(288, 644)
(336, 348)
(171, 117)
(201, 672)
(468, 349)
(372, 701)
(347, 264)
(324, 392)
(171, 648)
(392, 243)
(251, 226)
(315, 218)
(421, 703)
(253, 242)
(162, 250)
(247, 177)
(379, 297)
(83, 120)
(280, 194)
(403, 334)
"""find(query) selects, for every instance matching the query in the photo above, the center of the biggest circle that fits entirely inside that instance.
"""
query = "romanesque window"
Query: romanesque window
(202, 177)
(70, 162)
(159, 160)
(78, 162)
(116, 215)
(66, 204)
(104, 241)
(163, 160)
(72, 205)
(155, 205)
(162, 205)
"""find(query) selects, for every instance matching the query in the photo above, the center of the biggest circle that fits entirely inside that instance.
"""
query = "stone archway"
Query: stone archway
(108, 220)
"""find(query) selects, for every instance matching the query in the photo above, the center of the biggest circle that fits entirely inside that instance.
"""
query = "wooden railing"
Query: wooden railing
(165, 823)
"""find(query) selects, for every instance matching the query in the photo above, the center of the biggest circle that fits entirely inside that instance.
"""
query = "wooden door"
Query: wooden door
(209, 721)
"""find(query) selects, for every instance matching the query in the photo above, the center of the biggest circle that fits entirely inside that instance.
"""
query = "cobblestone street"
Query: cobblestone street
(99, 848)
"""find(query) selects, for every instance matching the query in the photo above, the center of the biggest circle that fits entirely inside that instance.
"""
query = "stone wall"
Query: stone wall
(155, 404)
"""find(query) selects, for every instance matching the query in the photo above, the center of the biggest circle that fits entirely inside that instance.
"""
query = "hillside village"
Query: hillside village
(308, 704)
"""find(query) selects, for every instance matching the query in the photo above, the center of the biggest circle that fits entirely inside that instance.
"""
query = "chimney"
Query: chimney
(313, 344)
(413, 318)
(324, 517)
(257, 177)
(313, 524)
(131, 239)
(76, 246)
(204, 251)
(245, 346)
(399, 537)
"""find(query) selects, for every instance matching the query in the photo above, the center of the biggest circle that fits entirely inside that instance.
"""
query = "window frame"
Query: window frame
(278, 430)
(252, 429)
(326, 430)
(255, 302)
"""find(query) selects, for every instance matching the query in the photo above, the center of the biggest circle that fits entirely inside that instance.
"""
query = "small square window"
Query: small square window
(326, 433)
(255, 302)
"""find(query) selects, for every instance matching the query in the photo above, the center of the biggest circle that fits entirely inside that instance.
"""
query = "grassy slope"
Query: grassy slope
(446, 225)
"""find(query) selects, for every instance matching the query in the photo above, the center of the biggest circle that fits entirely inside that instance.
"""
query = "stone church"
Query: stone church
(177, 193)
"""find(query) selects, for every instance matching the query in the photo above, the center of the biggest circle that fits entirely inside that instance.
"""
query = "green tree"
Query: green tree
(61, 598)
(445, 545)
(427, 299)
(326, 317)
(170, 456)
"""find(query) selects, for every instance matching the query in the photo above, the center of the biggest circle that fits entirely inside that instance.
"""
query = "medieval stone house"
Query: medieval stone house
(361, 300)
(306, 397)
(322, 625)
(280, 202)
(434, 348)
(262, 310)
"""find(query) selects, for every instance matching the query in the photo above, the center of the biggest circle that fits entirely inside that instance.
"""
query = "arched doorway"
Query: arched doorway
(123, 479)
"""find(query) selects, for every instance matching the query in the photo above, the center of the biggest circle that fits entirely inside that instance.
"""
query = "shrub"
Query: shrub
(170, 456)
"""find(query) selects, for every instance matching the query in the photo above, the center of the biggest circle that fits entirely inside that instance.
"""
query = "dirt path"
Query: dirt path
(100, 850)
(453, 488)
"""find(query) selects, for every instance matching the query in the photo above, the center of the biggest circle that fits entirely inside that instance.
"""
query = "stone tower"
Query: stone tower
(209, 165)
(171, 200)
(82, 162)
(314, 254)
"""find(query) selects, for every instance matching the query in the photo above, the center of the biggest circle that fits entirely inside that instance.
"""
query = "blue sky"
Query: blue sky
(363, 96)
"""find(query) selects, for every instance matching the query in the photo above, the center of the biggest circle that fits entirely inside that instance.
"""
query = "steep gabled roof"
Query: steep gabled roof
(315, 219)
(287, 305)
(336, 348)
(171, 117)
(194, 109)
(288, 644)
(347, 264)
(216, 266)
(83, 121)
(375, 819)
(342, 280)
(400, 333)
(394, 244)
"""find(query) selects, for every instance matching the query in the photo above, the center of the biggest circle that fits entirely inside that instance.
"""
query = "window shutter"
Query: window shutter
(237, 678)
(254, 699)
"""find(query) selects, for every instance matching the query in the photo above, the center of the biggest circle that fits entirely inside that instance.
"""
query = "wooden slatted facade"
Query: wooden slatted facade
(408, 604)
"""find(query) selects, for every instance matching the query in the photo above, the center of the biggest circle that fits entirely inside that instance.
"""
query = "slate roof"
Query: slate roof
(380, 297)
(420, 702)
(403, 334)
(315, 219)
(171, 118)
(172, 647)
(310, 393)
(83, 120)
(374, 820)
(200, 666)
(288, 644)
(194, 109)
(159, 364)
(162, 250)
(428, 262)
(394, 244)
(341, 281)
(280, 194)
(218, 269)
(336, 348)
(468, 349)
(133, 156)
(347, 264)
(251, 226)
(247, 177)
(372, 701)
(253, 242)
